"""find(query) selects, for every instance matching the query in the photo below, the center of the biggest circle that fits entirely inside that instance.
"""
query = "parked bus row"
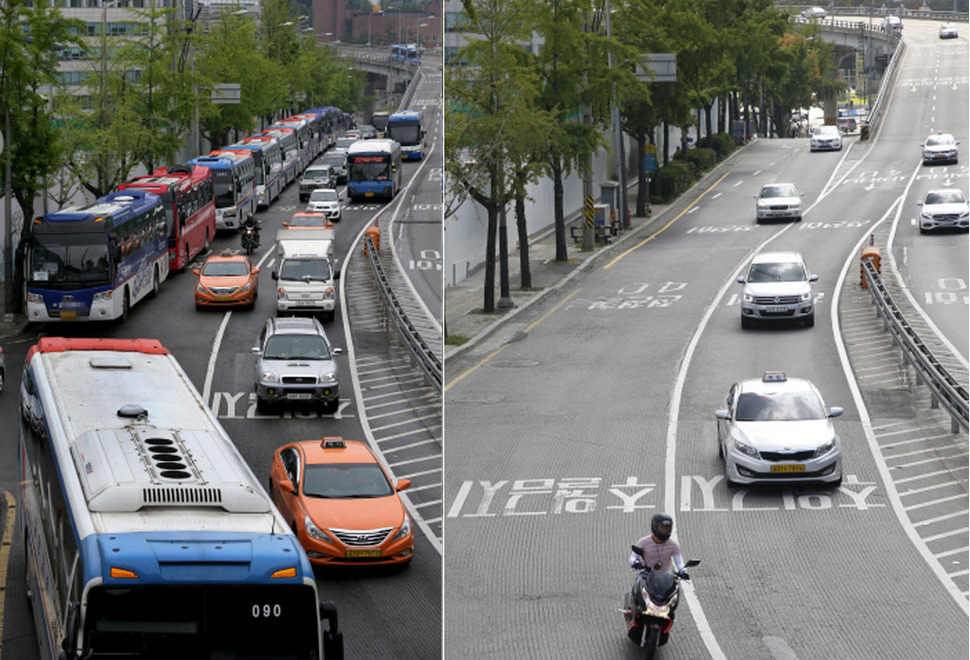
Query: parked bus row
(95, 262)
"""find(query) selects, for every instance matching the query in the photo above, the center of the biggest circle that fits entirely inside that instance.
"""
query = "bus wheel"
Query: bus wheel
(125, 307)
(154, 292)
(205, 247)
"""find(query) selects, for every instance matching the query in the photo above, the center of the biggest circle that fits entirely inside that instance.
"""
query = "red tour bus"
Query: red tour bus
(188, 197)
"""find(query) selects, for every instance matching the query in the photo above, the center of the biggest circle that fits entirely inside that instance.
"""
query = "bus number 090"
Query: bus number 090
(267, 611)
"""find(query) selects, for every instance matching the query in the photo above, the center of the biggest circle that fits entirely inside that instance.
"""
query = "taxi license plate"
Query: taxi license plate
(776, 310)
(223, 298)
(787, 468)
(375, 552)
(68, 316)
(299, 396)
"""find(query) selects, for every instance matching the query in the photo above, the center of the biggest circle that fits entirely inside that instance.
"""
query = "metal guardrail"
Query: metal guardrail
(943, 387)
(888, 79)
(420, 352)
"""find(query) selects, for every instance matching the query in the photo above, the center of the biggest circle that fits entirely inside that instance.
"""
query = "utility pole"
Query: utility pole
(589, 233)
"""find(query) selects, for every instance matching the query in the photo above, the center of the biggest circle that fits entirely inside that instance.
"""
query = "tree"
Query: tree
(491, 123)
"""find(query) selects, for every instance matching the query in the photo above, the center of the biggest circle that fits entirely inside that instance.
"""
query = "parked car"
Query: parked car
(294, 362)
(778, 201)
(342, 504)
(777, 287)
(226, 280)
(776, 429)
(940, 148)
(825, 137)
(946, 208)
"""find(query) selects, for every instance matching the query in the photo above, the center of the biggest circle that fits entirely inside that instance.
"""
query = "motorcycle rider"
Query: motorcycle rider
(253, 224)
(659, 549)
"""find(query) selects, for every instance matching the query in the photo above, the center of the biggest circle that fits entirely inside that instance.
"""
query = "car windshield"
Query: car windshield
(346, 480)
(345, 142)
(777, 272)
(224, 268)
(336, 160)
(308, 221)
(779, 191)
(823, 131)
(779, 407)
(324, 195)
(316, 175)
(945, 197)
(296, 347)
(305, 269)
(939, 140)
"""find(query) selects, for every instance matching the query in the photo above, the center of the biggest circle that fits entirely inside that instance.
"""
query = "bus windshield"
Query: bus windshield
(203, 621)
(225, 188)
(369, 168)
(406, 133)
(69, 261)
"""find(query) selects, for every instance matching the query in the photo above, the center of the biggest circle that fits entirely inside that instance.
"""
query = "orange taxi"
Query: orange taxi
(340, 502)
(308, 220)
(225, 280)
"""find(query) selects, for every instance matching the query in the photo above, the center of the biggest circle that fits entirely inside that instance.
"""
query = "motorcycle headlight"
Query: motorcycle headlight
(652, 609)
(405, 529)
(745, 449)
(314, 531)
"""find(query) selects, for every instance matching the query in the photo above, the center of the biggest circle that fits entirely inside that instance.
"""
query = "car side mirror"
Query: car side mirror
(741, 280)
(722, 414)
(195, 271)
(287, 486)
(255, 350)
(835, 411)
(255, 271)
(274, 275)
(403, 484)
(813, 277)
(337, 351)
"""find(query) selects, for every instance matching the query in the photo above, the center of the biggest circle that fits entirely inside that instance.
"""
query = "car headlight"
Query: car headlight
(269, 377)
(745, 449)
(825, 448)
(805, 296)
(748, 298)
(965, 214)
(247, 287)
(201, 289)
(926, 215)
(405, 529)
(329, 377)
(313, 531)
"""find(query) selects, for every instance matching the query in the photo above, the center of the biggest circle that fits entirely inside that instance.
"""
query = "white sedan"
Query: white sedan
(825, 137)
(776, 429)
(946, 208)
(779, 201)
(949, 31)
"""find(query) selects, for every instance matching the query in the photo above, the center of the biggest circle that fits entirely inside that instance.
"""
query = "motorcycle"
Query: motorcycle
(649, 608)
(250, 238)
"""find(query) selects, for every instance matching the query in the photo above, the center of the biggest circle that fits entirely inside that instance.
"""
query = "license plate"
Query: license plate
(223, 298)
(375, 552)
(299, 396)
(776, 310)
(787, 468)
(368, 194)
(304, 303)
(68, 316)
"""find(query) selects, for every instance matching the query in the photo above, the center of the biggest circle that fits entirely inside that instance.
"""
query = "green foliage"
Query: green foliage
(721, 143)
(674, 179)
(701, 158)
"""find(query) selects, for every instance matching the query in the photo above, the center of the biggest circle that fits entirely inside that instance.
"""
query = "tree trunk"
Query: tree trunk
(525, 279)
(558, 195)
(642, 192)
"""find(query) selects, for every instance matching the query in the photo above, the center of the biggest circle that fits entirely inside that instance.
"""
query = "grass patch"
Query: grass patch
(455, 340)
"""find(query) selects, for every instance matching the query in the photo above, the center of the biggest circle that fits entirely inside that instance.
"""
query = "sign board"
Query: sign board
(663, 66)
(226, 93)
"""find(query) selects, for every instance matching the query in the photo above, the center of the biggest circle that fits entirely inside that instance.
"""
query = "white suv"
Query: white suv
(777, 287)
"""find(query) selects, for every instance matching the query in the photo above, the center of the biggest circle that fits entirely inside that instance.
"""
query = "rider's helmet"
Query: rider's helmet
(661, 525)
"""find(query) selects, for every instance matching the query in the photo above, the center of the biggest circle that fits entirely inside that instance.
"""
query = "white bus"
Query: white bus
(146, 534)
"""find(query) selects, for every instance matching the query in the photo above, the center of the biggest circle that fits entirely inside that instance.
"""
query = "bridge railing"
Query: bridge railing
(944, 388)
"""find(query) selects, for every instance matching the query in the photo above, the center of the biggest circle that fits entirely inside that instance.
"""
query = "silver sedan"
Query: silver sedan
(778, 201)
(776, 429)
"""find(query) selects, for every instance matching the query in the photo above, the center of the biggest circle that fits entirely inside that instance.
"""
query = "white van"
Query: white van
(305, 274)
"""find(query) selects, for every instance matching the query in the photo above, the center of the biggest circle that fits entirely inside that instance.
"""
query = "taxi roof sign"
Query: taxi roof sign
(333, 443)
(774, 377)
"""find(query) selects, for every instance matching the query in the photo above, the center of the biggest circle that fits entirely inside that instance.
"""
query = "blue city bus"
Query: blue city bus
(234, 177)
(146, 534)
(93, 263)
(373, 169)
(405, 127)
(406, 53)
(268, 161)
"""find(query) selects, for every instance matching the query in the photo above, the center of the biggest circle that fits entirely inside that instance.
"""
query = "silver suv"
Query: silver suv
(317, 176)
(777, 287)
(295, 363)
